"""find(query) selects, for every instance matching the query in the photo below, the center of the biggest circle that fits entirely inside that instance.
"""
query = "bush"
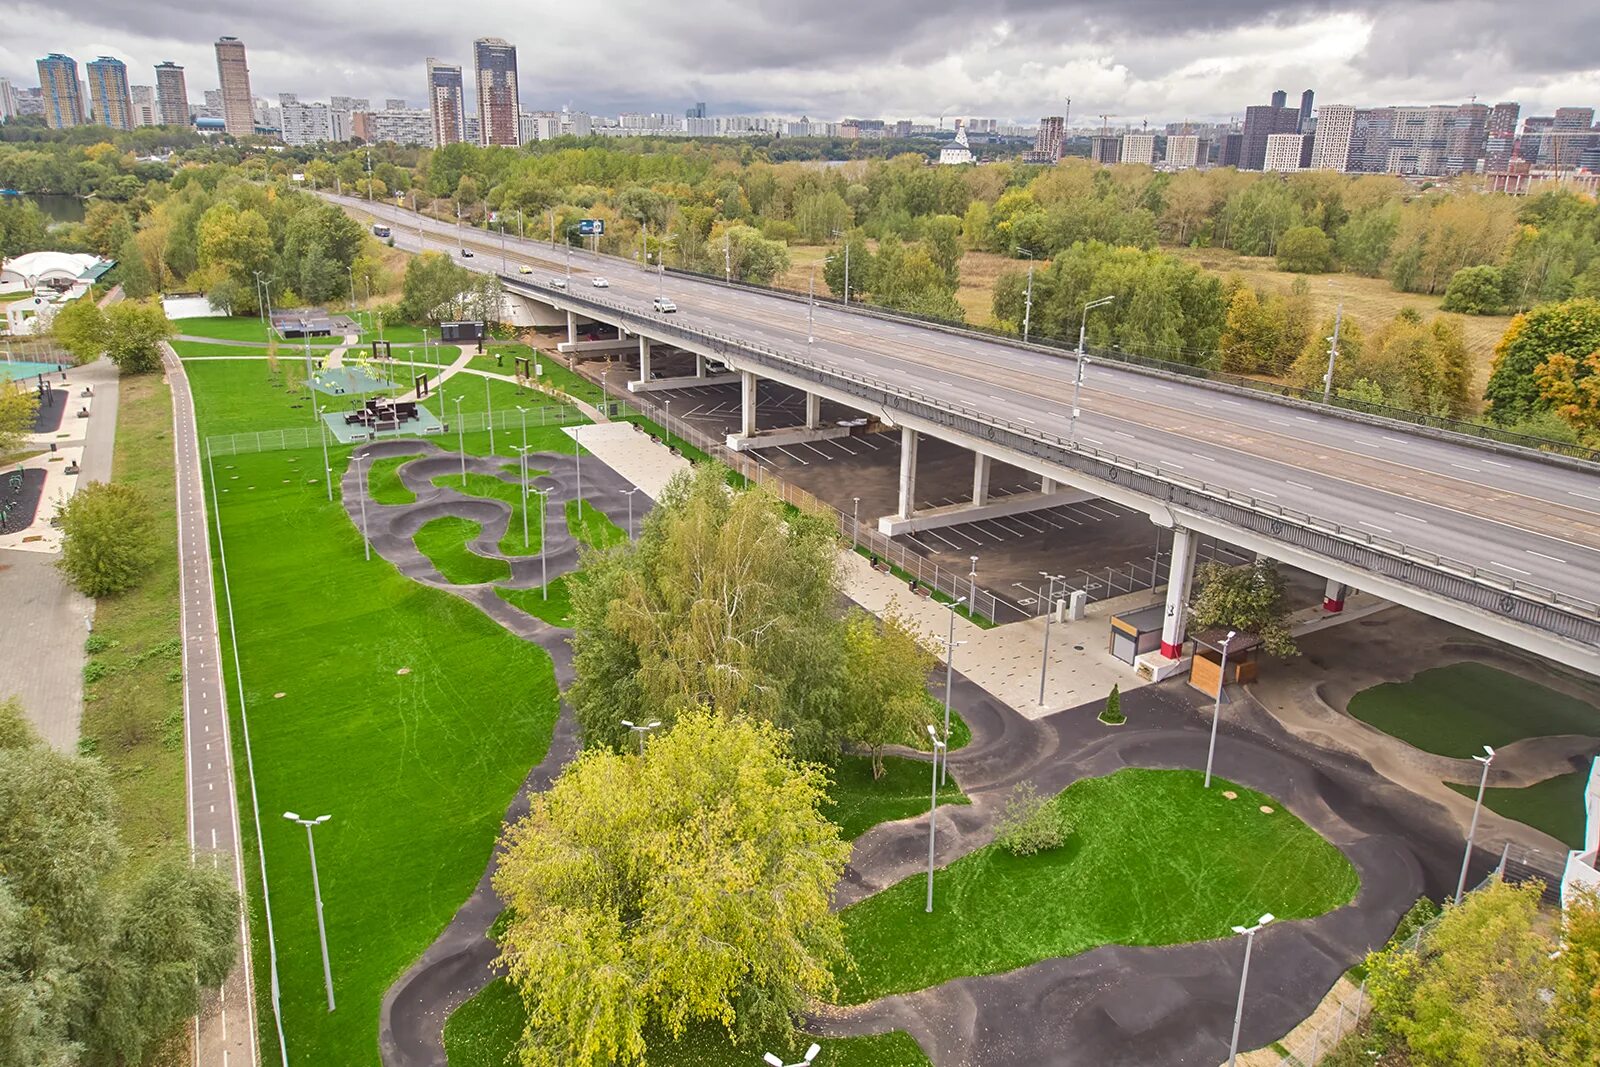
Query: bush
(95, 670)
(96, 643)
(108, 538)
(1112, 714)
(1031, 823)
(1475, 291)
(1305, 250)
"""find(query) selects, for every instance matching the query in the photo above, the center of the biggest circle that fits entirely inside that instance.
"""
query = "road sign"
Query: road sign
(591, 227)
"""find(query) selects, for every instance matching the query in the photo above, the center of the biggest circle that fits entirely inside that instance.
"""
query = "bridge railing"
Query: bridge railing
(1526, 602)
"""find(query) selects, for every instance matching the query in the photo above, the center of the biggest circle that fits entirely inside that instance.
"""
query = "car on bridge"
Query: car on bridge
(663, 305)
(558, 283)
(466, 253)
(601, 283)
(524, 269)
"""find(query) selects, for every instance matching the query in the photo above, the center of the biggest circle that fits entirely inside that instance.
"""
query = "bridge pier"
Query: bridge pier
(1333, 597)
(747, 414)
(980, 480)
(908, 472)
(1174, 628)
(813, 411)
(644, 358)
(572, 328)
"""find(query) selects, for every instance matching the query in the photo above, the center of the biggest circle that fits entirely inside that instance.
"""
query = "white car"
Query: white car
(663, 305)
(558, 283)
(601, 283)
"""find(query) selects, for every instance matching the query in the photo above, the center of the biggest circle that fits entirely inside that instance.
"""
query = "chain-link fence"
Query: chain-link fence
(541, 414)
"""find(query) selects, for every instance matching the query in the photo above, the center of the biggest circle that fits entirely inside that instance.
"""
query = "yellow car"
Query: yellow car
(524, 269)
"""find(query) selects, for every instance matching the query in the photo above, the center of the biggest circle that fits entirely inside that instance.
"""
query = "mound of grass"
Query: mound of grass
(555, 609)
(383, 480)
(859, 802)
(1456, 710)
(1154, 859)
(1554, 805)
(488, 487)
(444, 542)
(592, 526)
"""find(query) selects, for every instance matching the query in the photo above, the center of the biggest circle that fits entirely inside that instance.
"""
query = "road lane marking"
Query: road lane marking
(1373, 526)
(1509, 567)
(1299, 485)
(1464, 467)
(1542, 555)
(1586, 496)
(1261, 492)
(1413, 518)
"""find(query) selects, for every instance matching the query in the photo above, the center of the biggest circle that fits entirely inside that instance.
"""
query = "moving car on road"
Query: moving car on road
(601, 283)
(558, 283)
(466, 253)
(663, 305)
(524, 269)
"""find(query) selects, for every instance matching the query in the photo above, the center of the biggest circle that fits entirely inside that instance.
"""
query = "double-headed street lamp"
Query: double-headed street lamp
(1083, 361)
(629, 494)
(522, 470)
(1027, 300)
(316, 887)
(811, 1054)
(949, 678)
(933, 807)
(641, 729)
(1249, 933)
(461, 442)
(361, 495)
(544, 570)
(1216, 707)
(1485, 759)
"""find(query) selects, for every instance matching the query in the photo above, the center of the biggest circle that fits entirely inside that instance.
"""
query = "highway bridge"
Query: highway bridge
(1493, 537)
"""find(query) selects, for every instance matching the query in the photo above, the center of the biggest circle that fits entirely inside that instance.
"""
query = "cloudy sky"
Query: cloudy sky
(1161, 60)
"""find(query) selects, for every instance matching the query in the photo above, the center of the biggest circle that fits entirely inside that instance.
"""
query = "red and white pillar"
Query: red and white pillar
(1174, 628)
(1333, 597)
(908, 472)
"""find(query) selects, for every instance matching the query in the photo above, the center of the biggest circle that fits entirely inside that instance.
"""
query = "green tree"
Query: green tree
(134, 330)
(1571, 328)
(320, 245)
(688, 885)
(1577, 1001)
(23, 228)
(1364, 242)
(133, 273)
(1250, 339)
(885, 673)
(1248, 598)
(726, 600)
(1305, 250)
(941, 236)
(80, 327)
(18, 407)
(753, 257)
(1571, 389)
(433, 288)
(1475, 291)
(905, 278)
(861, 261)
(108, 538)
(106, 228)
(1312, 364)
(232, 246)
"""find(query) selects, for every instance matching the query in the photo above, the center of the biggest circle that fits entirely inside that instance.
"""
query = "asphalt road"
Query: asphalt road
(1525, 520)
(225, 1029)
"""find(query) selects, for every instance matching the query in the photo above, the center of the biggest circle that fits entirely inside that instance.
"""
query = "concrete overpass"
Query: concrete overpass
(1499, 539)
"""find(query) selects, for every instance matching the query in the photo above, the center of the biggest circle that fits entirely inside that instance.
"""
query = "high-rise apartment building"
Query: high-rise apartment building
(145, 111)
(1259, 124)
(1466, 134)
(447, 103)
(58, 85)
(1051, 140)
(494, 63)
(8, 100)
(400, 125)
(1280, 99)
(1185, 151)
(172, 94)
(1501, 136)
(108, 91)
(233, 75)
(1283, 152)
(393, 104)
(1417, 139)
(1230, 150)
(1306, 99)
(698, 111)
(1105, 147)
(306, 124)
(1330, 146)
(1139, 148)
(1370, 140)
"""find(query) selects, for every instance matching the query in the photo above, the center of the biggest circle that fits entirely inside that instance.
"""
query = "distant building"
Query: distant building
(1186, 151)
(233, 75)
(1139, 148)
(902, 129)
(58, 85)
(396, 125)
(1051, 139)
(1261, 123)
(108, 89)
(1230, 150)
(447, 103)
(1417, 139)
(8, 100)
(393, 104)
(145, 111)
(172, 95)
(958, 152)
(495, 65)
(698, 111)
(1330, 147)
(1466, 135)
(1280, 98)
(1283, 152)
(1306, 99)
(1500, 138)
(1105, 148)
(307, 124)
(469, 128)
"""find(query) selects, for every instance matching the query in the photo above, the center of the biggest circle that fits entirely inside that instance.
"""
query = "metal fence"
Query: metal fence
(1481, 587)
(543, 414)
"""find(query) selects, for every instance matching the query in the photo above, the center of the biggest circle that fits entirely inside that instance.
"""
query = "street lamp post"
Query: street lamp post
(629, 494)
(327, 469)
(641, 729)
(544, 571)
(811, 307)
(1049, 614)
(972, 583)
(1485, 759)
(855, 521)
(1249, 933)
(811, 1053)
(461, 442)
(1027, 300)
(933, 808)
(1083, 361)
(488, 407)
(1216, 707)
(522, 471)
(1333, 354)
(949, 679)
(669, 423)
(361, 495)
(316, 888)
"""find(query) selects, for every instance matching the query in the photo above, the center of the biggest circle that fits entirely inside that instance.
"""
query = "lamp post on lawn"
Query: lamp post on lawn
(949, 677)
(855, 522)
(544, 572)
(1249, 933)
(1216, 707)
(1049, 616)
(811, 1054)
(972, 582)
(669, 423)
(488, 407)
(841, 233)
(522, 470)
(933, 808)
(461, 442)
(361, 495)
(1485, 759)
(316, 887)
(629, 494)
(641, 729)
(327, 469)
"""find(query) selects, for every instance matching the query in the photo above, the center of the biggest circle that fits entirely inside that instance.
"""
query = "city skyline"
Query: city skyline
(911, 63)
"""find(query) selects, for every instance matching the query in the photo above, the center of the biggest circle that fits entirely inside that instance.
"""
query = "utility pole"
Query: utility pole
(1333, 354)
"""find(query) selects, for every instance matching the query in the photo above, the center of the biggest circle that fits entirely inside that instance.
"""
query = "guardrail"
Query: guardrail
(1525, 602)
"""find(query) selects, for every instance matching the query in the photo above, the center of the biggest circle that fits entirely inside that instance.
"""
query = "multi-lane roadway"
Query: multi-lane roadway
(1521, 518)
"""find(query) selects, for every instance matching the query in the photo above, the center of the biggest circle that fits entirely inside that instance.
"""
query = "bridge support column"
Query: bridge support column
(644, 358)
(747, 417)
(1048, 485)
(980, 480)
(813, 411)
(908, 472)
(1333, 597)
(572, 328)
(699, 365)
(1174, 629)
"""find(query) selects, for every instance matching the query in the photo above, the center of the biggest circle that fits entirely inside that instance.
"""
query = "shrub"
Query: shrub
(95, 670)
(96, 643)
(109, 538)
(1475, 291)
(1112, 714)
(1305, 250)
(1031, 823)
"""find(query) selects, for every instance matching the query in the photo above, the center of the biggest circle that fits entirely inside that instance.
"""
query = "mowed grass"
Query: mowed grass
(416, 768)
(1154, 859)
(133, 716)
(484, 1032)
(242, 396)
(488, 487)
(592, 526)
(383, 480)
(1456, 710)
(860, 802)
(478, 393)
(240, 328)
(553, 604)
(445, 542)
(1554, 805)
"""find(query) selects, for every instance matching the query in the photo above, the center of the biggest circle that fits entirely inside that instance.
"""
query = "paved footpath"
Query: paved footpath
(224, 1031)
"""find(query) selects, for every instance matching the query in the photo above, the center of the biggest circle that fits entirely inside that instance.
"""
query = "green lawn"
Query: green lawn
(505, 397)
(1154, 859)
(960, 732)
(444, 542)
(556, 609)
(383, 480)
(240, 328)
(488, 487)
(241, 396)
(592, 526)
(860, 803)
(416, 768)
(1554, 805)
(1456, 710)
(485, 1030)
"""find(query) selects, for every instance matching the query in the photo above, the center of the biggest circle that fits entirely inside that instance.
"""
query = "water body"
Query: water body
(58, 208)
